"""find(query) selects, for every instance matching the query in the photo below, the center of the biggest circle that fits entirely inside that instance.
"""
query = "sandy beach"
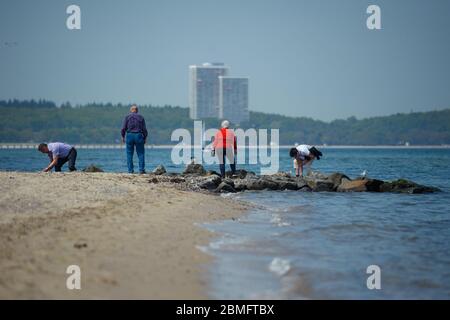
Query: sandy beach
(130, 238)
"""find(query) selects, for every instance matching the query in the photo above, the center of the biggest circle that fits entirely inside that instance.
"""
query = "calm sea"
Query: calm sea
(319, 245)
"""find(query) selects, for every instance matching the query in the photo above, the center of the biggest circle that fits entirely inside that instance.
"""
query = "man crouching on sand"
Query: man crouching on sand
(59, 153)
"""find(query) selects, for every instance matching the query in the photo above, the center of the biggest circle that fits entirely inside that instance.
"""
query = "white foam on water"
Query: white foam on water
(226, 241)
(203, 249)
(276, 219)
(280, 266)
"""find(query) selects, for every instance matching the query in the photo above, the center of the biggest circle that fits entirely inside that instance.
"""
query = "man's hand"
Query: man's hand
(51, 165)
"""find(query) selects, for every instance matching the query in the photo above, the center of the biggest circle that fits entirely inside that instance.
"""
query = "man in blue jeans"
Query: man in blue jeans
(136, 136)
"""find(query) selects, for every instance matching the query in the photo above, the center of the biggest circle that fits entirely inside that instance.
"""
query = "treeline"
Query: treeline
(36, 121)
(41, 103)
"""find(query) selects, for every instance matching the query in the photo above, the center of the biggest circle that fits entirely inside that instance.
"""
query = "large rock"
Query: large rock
(240, 185)
(195, 169)
(320, 185)
(301, 183)
(281, 174)
(243, 184)
(229, 181)
(283, 180)
(212, 172)
(92, 168)
(224, 188)
(286, 185)
(336, 179)
(304, 188)
(352, 185)
(159, 170)
(319, 182)
(359, 185)
(316, 175)
(373, 185)
(263, 184)
(176, 179)
(241, 174)
(406, 186)
(209, 182)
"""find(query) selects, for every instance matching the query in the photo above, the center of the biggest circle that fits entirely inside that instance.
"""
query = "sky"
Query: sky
(312, 58)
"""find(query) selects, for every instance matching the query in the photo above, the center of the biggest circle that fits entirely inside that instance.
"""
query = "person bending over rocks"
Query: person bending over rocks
(303, 155)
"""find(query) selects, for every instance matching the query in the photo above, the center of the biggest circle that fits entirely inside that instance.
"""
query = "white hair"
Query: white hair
(225, 124)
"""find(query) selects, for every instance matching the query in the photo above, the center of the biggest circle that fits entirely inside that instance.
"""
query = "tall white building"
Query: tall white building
(204, 89)
(233, 99)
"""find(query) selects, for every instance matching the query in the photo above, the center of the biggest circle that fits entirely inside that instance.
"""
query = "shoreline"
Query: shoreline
(130, 238)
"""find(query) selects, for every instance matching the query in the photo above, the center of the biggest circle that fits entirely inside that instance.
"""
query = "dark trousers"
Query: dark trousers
(224, 154)
(71, 158)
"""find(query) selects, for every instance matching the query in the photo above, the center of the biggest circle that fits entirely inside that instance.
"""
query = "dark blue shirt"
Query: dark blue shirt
(134, 122)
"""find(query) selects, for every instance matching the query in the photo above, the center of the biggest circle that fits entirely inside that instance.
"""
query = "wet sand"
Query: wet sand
(130, 238)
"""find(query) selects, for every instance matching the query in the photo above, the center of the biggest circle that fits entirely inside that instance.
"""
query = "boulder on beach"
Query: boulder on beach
(195, 169)
(262, 184)
(210, 182)
(286, 185)
(241, 174)
(284, 181)
(225, 188)
(212, 172)
(92, 168)
(159, 170)
(176, 179)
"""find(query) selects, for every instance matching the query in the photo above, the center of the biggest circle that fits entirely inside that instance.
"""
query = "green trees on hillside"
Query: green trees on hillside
(36, 121)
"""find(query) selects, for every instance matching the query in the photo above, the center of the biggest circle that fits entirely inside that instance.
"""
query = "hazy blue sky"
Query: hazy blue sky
(304, 58)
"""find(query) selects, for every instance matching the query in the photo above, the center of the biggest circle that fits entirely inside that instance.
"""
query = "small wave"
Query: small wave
(227, 195)
(276, 219)
(226, 241)
(280, 266)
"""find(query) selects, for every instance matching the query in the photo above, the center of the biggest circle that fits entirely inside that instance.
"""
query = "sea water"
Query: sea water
(297, 245)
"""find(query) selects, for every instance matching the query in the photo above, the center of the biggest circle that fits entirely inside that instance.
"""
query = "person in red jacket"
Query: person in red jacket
(224, 146)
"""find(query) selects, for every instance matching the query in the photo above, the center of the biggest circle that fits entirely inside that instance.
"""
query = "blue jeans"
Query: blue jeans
(135, 139)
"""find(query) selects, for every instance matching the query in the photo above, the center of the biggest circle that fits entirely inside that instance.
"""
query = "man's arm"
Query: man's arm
(124, 129)
(300, 169)
(145, 130)
(216, 140)
(51, 165)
